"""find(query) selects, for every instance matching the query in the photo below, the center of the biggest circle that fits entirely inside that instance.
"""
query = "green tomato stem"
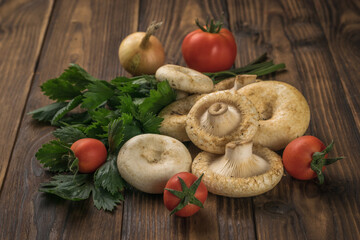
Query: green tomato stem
(213, 27)
(187, 195)
(319, 161)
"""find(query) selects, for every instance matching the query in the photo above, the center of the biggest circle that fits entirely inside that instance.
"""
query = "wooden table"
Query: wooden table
(319, 42)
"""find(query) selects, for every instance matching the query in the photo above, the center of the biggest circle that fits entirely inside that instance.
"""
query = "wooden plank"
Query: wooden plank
(248, 24)
(145, 217)
(340, 23)
(22, 29)
(291, 32)
(87, 33)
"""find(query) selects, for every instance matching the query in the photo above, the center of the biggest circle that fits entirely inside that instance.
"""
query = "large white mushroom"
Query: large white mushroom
(284, 112)
(148, 161)
(174, 116)
(235, 83)
(221, 117)
(243, 171)
(184, 79)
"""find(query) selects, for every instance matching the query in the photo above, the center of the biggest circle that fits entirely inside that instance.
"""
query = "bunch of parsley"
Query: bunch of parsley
(86, 107)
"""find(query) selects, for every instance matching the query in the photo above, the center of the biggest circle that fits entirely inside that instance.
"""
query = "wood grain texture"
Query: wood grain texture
(87, 33)
(22, 30)
(292, 33)
(340, 21)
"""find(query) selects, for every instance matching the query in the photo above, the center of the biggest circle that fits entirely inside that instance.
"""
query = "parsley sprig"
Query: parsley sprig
(112, 112)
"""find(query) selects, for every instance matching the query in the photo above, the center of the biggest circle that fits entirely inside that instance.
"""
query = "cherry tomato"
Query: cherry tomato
(171, 201)
(209, 49)
(91, 154)
(305, 158)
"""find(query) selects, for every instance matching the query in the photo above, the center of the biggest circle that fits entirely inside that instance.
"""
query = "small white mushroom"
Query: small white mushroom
(244, 170)
(184, 79)
(219, 118)
(284, 112)
(148, 161)
(174, 116)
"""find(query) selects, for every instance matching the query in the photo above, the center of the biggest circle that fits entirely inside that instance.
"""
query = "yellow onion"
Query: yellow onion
(141, 52)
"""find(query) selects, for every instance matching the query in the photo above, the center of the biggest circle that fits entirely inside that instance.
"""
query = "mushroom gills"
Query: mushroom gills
(220, 119)
(239, 161)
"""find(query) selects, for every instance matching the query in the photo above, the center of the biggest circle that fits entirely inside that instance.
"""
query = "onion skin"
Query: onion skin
(138, 58)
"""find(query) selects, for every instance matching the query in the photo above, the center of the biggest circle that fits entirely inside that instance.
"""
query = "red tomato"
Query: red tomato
(209, 52)
(171, 201)
(91, 154)
(305, 157)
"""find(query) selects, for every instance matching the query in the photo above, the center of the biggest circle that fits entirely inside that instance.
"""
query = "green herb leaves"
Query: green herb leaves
(112, 112)
(71, 187)
(56, 156)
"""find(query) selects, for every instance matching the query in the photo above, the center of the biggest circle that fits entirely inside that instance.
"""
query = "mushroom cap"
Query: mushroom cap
(174, 116)
(240, 121)
(242, 80)
(284, 112)
(236, 186)
(184, 79)
(148, 161)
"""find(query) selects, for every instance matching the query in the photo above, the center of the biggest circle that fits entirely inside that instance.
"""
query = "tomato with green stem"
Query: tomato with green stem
(91, 154)
(211, 48)
(305, 158)
(185, 194)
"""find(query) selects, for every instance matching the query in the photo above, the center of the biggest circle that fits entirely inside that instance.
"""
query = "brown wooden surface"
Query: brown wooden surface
(319, 42)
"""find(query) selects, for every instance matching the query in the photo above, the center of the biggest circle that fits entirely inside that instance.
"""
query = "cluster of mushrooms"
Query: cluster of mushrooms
(237, 123)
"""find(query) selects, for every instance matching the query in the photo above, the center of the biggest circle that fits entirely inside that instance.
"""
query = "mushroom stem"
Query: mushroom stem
(242, 80)
(218, 109)
(239, 161)
(220, 119)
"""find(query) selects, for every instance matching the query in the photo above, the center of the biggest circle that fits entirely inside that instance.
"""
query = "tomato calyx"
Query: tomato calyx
(319, 161)
(212, 27)
(187, 195)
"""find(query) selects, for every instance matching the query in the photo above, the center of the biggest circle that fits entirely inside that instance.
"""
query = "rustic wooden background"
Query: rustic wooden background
(318, 40)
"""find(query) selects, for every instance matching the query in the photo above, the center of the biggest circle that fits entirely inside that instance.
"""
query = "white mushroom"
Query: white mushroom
(174, 116)
(219, 118)
(148, 161)
(184, 79)
(181, 94)
(243, 171)
(235, 83)
(284, 112)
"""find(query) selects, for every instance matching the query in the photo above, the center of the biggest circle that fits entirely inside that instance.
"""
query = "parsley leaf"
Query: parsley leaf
(69, 85)
(104, 115)
(98, 93)
(55, 155)
(163, 96)
(150, 122)
(131, 126)
(128, 106)
(68, 134)
(108, 177)
(115, 135)
(105, 200)
(71, 187)
(45, 114)
(63, 111)
(136, 87)
(60, 89)
(95, 130)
